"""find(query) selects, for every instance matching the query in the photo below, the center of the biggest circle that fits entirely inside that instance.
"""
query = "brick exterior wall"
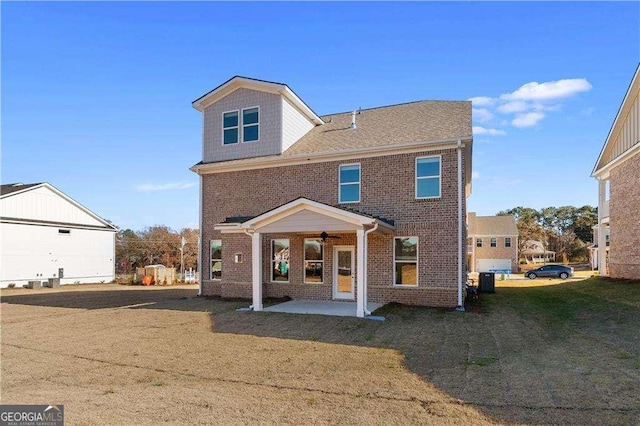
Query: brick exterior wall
(624, 220)
(387, 190)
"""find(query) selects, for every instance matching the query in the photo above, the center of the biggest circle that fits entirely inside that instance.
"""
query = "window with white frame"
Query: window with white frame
(280, 260)
(428, 177)
(478, 242)
(405, 261)
(494, 242)
(349, 188)
(216, 259)
(250, 124)
(507, 241)
(230, 127)
(313, 260)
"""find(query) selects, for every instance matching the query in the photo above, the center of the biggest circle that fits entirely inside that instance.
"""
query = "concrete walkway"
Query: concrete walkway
(320, 307)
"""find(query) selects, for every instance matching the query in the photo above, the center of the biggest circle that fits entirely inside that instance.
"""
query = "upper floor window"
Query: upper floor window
(478, 242)
(230, 127)
(349, 188)
(250, 124)
(507, 241)
(494, 242)
(428, 177)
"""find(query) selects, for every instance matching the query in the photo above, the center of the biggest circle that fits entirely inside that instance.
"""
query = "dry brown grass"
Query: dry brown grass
(528, 355)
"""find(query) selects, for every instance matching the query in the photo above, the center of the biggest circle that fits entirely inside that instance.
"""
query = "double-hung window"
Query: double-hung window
(250, 124)
(428, 177)
(313, 260)
(478, 242)
(216, 259)
(230, 127)
(280, 260)
(494, 242)
(243, 127)
(507, 241)
(349, 188)
(405, 260)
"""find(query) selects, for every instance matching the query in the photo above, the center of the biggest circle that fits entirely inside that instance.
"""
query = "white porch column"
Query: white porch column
(256, 270)
(361, 256)
(602, 230)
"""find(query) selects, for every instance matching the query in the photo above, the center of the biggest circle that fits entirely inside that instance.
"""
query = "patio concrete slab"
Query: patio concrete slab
(320, 307)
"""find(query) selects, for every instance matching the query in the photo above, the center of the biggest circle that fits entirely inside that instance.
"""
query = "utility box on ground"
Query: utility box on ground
(487, 282)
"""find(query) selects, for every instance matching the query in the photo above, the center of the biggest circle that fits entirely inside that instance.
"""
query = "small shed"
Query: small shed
(159, 275)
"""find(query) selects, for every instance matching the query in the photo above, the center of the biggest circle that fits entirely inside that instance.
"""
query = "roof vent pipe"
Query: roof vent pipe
(353, 120)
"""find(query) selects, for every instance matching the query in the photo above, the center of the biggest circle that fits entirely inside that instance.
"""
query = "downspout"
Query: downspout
(366, 257)
(460, 308)
(199, 266)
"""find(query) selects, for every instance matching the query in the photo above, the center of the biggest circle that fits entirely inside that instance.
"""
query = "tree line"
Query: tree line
(155, 245)
(565, 230)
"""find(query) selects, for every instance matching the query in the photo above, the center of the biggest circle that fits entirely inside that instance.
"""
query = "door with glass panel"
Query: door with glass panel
(344, 273)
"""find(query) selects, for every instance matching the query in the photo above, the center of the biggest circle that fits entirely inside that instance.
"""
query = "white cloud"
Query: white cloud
(479, 130)
(482, 115)
(481, 101)
(527, 120)
(550, 90)
(475, 175)
(511, 107)
(164, 186)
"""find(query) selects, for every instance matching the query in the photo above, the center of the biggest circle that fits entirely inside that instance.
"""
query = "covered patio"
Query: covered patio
(320, 307)
(303, 216)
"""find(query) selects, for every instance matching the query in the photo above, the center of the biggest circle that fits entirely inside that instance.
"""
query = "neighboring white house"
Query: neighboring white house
(46, 234)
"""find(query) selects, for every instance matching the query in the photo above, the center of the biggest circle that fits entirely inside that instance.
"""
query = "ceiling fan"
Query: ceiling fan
(324, 236)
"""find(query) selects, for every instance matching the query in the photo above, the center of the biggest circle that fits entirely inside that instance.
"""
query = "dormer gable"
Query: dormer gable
(245, 118)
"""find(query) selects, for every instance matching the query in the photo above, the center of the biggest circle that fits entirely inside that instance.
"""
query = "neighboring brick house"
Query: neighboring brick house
(493, 243)
(363, 206)
(618, 172)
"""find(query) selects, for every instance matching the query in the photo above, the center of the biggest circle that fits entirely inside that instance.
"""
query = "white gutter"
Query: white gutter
(366, 256)
(460, 308)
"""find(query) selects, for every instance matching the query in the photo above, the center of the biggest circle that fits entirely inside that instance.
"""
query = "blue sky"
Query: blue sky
(96, 97)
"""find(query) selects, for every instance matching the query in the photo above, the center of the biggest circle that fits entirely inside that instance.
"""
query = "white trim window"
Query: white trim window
(230, 127)
(313, 261)
(428, 177)
(493, 242)
(479, 242)
(216, 259)
(251, 124)
(507, 242)
(280, 260)
(349, 183)
(405, 261)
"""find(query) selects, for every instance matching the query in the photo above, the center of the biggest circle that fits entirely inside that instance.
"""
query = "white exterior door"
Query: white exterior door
(344, 272)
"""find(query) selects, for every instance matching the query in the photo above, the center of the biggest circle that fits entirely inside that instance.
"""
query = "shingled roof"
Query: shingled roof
(390, 125)
(15, 187)
(492, 225)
